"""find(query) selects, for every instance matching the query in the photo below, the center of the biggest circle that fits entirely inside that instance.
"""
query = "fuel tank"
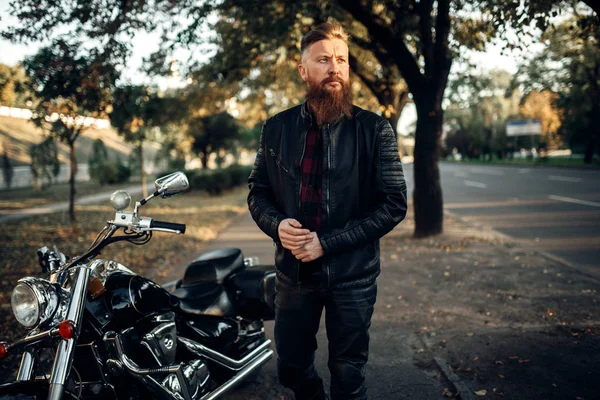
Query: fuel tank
(131, 297)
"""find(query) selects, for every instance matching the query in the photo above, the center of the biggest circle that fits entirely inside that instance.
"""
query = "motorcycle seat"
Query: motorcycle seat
(213, 267)
(253, 291)
(204, 298)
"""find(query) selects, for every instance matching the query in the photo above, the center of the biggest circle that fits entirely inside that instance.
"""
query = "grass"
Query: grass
(204, 216)
(17, 199)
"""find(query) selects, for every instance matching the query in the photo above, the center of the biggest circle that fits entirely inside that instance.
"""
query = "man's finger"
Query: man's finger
(295, 223)
(295, 239)
(295, 231)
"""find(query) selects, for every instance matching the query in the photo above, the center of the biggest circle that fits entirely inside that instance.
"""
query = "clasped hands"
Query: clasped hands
(304, 244)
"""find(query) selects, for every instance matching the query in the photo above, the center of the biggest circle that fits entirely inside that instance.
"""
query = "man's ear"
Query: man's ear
(303, 73)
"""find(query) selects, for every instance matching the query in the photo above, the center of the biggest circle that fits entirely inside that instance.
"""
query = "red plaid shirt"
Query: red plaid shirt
(311, 195)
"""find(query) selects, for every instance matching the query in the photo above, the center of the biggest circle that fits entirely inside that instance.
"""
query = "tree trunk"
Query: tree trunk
(142, 171)
(72, 183)
(427, 197)
(204, 159)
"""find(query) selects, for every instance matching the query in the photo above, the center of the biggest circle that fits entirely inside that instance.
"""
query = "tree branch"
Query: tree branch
(425, 9)
(441, 57)
(389, 39)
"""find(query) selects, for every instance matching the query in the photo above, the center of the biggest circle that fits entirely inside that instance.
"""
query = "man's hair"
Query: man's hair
(326, 30)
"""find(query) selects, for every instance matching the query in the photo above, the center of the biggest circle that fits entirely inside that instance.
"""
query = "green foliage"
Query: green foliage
(570, 66)
(71, 83)
(14, 90)
(216, 181)
(104, 171)
(479, 106)
(44, 163)
(7, 168)
(212, 133)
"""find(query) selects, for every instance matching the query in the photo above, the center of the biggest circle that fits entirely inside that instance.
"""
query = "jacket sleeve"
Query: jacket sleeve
(261, 199)
(391, 201)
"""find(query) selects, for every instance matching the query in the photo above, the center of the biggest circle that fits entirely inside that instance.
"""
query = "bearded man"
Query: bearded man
(327, 183)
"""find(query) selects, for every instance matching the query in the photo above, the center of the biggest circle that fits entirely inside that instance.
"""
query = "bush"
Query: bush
(215, 182)
(104, 171)
(239, 174)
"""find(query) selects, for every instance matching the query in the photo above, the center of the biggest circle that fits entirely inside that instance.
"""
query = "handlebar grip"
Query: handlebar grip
(168, 225)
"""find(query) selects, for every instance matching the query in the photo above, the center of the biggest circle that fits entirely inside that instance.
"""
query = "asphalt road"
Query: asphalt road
(555, 210)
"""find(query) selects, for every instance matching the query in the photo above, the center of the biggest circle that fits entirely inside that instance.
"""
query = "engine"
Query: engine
(149, 350)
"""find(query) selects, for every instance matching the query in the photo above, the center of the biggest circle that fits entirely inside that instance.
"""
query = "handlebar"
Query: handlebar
(167, 225)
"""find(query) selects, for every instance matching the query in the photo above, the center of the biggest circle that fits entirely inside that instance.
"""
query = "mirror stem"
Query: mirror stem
(140, 203)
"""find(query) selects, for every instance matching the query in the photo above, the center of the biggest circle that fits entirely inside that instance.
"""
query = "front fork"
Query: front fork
(66, 347)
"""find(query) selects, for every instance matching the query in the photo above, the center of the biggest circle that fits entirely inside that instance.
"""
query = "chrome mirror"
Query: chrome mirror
(172, 184)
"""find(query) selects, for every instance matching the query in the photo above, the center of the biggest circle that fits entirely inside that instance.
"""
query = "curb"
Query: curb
(512, 242)
(459, 387)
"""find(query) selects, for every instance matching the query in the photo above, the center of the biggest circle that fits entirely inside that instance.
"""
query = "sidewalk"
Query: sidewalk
(12, 215)
(466, 315)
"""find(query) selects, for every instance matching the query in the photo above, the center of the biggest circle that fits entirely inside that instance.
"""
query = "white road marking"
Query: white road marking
(563, 178)
(576, 201)
(523, 170)
(476, 184)
(486, 172)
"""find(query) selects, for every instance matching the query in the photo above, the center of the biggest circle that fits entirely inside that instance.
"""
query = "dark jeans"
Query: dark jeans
(348, 314)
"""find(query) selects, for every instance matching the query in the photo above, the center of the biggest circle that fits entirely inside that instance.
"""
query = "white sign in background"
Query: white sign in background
(523, 127)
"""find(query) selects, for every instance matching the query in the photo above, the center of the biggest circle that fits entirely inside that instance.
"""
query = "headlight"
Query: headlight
(34, 301)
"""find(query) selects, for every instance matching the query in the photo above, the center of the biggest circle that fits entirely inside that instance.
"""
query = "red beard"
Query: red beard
(327, 105)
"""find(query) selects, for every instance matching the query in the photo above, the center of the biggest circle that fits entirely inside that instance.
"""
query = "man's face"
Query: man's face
(326, 60)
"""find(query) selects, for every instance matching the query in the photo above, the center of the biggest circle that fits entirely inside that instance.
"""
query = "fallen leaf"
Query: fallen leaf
(501, 376)
(481, 392)
(469, 334)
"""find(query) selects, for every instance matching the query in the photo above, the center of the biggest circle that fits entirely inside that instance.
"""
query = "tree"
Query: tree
(14, 86)
(212, 134)
(418, 38)
(70, 85)
(542, 106)
(44, 162)
(478, 107)
(7, 168)
(136, 113)
(570, 67)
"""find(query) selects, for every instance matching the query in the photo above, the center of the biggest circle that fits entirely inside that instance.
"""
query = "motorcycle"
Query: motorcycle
(119, 335)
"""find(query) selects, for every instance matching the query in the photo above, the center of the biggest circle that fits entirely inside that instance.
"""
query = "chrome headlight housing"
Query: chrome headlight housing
(34, 301)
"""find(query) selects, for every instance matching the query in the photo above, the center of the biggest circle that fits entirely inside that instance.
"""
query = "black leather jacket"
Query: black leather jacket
(364, 192)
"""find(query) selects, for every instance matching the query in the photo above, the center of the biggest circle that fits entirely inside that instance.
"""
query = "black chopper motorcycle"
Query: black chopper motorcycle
(115, 334)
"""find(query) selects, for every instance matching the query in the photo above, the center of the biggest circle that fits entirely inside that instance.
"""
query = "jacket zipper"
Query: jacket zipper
(300, 203)
(328, 185)
(277, 160)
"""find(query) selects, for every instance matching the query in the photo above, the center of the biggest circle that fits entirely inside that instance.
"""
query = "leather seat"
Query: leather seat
(204, 298)
(214, 266)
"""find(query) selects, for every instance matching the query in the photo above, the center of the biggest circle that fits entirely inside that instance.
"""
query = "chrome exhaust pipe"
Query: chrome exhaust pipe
(227, 362)
(233, 382)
